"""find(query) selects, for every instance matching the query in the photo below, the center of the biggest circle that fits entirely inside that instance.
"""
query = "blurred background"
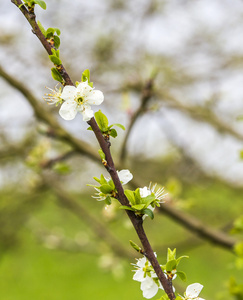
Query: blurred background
(172, 74)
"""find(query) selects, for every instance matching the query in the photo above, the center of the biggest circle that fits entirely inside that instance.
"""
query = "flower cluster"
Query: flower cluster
(107, 190)
(76, 99)
(145, 274)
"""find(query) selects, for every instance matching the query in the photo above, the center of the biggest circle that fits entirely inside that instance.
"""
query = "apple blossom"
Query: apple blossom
(78, 99)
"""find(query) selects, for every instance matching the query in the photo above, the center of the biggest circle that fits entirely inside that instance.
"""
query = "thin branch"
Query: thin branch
(146, 96)
(214, 236)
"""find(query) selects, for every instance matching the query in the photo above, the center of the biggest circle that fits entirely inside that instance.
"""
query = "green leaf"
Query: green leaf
(241, 154)
(113, 133)
(138, 206)
(179, 259)
(130, 196)
(56, 75)
(86, 76)
(171, 254)
(135, 246)
(55, 60)
(148, 200)
(56, 41)
(125, 207)
(137, 196)
(41, 28)
(58, 31)
(102, 179)
(118, 125)
(41, 3)
(182, 275)
(171, 265)
(102, 154)
(90, 128)
(101, 120)
(108, 200)
(149, 212)
(106, 188)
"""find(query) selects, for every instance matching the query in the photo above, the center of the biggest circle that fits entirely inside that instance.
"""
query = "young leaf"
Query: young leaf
(105, 188)
(179, 259)
(102, 179)
(171, 254)
(137, 196)
(119, 125)
(102, 154)
(55, 60)
(148, 212)
(97, 179)
(113, 133)
(86, 76)
(171, 265)
(101, 120)
(182, 275)
(138, 206)
(135, 246)
(56, 41)
(125, 207)
(41, 28)
(130, 196)
(56, 75)
(108, 200)
(41, 3)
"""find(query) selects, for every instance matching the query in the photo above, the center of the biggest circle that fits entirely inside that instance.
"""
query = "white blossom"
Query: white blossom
(79, 99)
(54, 97)
(192, 292)
(149, 281)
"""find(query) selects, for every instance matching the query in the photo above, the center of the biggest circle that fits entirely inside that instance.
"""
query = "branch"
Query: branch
(146, 96)
(136, 221)
(192, 224)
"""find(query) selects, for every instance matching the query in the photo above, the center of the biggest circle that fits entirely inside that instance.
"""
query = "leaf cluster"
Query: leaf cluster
(107, 189)
(86, 77)
(51, 34)
(31, 3)
(104, 126)
(170, 268)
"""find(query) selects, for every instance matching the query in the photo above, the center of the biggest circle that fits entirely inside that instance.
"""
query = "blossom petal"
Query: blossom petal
(139, 276)
(125, 176)
(94, 97)
(69, 92)
(87, 114)
(193, 290)
(144, 192)
(68, 110)
(149, 288)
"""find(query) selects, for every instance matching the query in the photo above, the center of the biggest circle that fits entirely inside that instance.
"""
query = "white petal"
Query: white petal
(149, 288)
(139, 276)
(68, 92)
(125, 176)
(144, 192)
(141, 262)
(84, 88)
(68, 110)
(94, 97)
(193, 290)
(87, 114)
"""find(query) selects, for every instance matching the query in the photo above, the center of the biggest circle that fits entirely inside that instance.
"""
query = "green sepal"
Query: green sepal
(102, 154)
(102, 179)
(171, 265)
(113, 133)
(96, 179)
(135, 246)
(130, 196)
(56, 60)
(90, 128)
(178, 298)
(137, 196)
(149, 213)
(56, 75)
(41, 3)
(148, 200)
(182, 275)
(42, 29)
(101, 120)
